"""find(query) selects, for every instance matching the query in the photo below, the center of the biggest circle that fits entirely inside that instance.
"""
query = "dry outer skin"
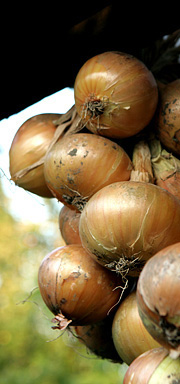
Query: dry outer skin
(69, 225)
(168, 372)
(158, 296)
(79, 165)
(130, 337)
(166, 168)
(163, 274)
(29, 145)
(168, 119)
(73, 285)
(115, 94)
(153, 367)
(125, 223)
(143, 366)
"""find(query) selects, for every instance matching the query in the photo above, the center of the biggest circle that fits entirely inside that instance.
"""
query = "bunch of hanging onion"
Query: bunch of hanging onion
(120, 216)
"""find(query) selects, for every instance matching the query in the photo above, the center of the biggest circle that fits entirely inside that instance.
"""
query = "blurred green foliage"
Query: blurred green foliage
(30, 351)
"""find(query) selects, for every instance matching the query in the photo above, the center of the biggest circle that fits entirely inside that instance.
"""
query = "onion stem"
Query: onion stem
(142, 163)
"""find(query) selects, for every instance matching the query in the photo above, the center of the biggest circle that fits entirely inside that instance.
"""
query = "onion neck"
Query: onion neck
(142, 167)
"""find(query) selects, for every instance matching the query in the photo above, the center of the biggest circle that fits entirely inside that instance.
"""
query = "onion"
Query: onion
(126, 223)
(153, 367)
(76, 288)
(69, 225)
(130, 337)
(97, 338)
(115, 94)
(158, 297)
(80, 164)
(168, 117)
(28, 146)
(166, 168)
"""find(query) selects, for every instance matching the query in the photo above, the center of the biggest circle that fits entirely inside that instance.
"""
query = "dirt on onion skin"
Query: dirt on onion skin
(170, 331)
(78, 202)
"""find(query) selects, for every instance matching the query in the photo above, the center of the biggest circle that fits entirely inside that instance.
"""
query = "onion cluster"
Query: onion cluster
(113, 162)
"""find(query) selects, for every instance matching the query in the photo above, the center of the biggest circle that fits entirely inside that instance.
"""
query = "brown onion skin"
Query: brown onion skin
(168, 117)
(130, 337)
(80, 164)
(69, 225)
(126, 223)
(29, 144)
(97, 338)
(170, 182)
(166, 168)
(73, 284)
(126, 90)
(153, 367)
(158, 297)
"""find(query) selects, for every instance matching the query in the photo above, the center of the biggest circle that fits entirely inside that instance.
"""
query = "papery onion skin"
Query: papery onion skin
(170, 182)
(142, 165)
(30, 144)
(158, 297)
(69, 225)
(153, 367)
(115, 94)
(130, 337)
(166, 168)
(126, 223)
(168, 117)
(71, 283)
(80, 164)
